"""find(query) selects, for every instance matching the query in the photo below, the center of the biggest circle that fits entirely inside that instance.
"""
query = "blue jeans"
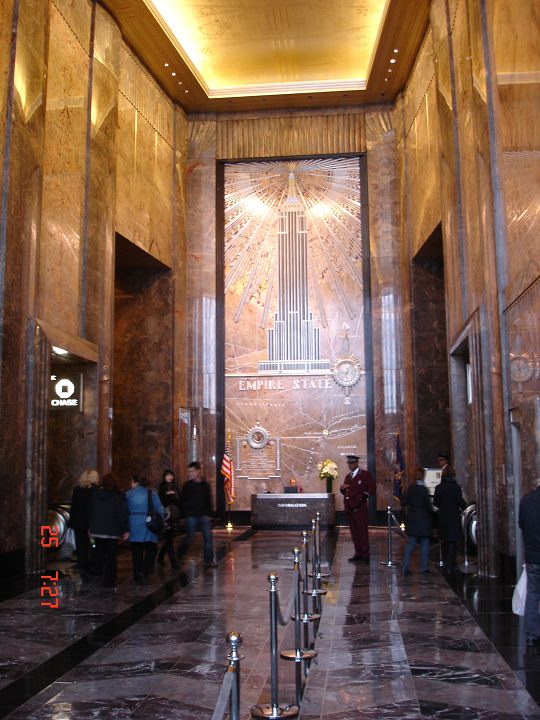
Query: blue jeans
(203, 524)
(532, 618)
(424, 552)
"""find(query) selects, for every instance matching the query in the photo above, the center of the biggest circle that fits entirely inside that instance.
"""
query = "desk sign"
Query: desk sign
(66, 390)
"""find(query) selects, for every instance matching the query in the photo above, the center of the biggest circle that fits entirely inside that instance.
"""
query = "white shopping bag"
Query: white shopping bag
(520, 594)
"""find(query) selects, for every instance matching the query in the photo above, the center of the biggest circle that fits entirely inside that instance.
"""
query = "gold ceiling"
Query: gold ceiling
(239, 48)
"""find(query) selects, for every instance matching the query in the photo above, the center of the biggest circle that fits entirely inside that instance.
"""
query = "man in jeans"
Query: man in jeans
(197, 507)
(529, 522)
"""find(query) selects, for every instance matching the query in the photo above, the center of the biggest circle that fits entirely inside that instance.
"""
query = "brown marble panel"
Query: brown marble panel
(64, 175)
(125, 168)
(6, 11)
(142, 422)
(99, 267)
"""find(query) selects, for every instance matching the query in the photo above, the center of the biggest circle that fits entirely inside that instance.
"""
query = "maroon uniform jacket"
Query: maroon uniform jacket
(357, 487)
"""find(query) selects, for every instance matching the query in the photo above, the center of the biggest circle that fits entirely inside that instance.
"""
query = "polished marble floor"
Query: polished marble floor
(388, 646)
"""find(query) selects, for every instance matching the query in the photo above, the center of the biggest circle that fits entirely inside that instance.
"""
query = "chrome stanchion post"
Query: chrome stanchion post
(235, 640)
(273, 710)
(320, 575)
(389, 562)
(298, 654)
(307, 617)
(441, 561)
(315, 590)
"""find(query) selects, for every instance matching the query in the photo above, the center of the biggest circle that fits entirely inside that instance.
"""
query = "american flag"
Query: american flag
(399, 471)
(227, 470)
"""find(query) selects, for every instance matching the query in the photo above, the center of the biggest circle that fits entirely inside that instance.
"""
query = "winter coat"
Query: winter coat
(169, 494)
(449, 499)
(417, 504)
(529, 522)
(196, 498)
(79, 512)
(108, 516)
(137, 500)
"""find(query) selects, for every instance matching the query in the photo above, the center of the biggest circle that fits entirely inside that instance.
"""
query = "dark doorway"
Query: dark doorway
(143, 364)
(430, 351)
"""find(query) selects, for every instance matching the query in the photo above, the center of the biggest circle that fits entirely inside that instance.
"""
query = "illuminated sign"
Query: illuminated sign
(66, 390)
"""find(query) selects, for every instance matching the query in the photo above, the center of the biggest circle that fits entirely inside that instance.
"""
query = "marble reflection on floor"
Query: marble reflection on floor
(405, 647)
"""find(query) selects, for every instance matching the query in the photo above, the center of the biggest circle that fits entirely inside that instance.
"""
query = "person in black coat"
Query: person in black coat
(418, 514)
(529, 522)
(108, 522)
(448, 498)
(197, 507)
(79, 518)
(169, 494)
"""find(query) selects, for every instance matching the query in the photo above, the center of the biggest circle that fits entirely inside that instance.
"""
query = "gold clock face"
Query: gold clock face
(346, 372)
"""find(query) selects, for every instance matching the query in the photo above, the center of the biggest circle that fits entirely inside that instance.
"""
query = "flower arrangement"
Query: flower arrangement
(328, 470)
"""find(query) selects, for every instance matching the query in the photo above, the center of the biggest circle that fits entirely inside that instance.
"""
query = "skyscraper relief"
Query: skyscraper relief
(293, 342)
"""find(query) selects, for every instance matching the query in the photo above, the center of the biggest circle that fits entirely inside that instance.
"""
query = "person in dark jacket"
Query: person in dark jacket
(529, 522)
(142, 541)
(79, 518)
(169, 494)
(196, 501)
(418, 511)
(108, 522)
(448, 498)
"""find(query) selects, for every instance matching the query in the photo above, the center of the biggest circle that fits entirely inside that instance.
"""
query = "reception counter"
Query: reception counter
(292, 510)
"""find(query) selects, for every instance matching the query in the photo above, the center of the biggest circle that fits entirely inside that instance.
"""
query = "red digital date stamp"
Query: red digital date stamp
(49, 589)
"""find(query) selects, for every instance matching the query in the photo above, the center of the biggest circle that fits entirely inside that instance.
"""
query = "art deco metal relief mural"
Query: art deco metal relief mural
(294, 320)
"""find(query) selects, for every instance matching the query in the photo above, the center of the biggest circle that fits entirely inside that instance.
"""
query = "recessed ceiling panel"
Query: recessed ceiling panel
(254, 47)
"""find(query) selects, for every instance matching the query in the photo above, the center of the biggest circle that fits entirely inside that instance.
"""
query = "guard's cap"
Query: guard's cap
(352, 458)
(444, 456)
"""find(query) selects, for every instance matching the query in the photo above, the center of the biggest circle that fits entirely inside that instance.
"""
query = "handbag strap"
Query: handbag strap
(150, 504)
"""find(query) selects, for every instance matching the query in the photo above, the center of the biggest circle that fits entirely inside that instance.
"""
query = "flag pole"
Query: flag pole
(229, 525)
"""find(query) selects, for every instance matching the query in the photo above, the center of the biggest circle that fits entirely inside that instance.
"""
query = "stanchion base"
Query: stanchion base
(315, 592)
(468, 569)
(269, 711)
(321, 576)
(388, 563)
(310, 617)
(304, 655)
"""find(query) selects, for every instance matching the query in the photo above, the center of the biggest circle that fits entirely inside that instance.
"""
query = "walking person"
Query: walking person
(418, 521)
(169, 494)
(108, 521)
(142, 541)
(448, 498)
(79, 519)
(356, 489)
(529, 522)
(196, 500)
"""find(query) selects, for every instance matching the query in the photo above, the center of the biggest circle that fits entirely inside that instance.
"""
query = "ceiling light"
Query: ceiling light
(186, 91)
(396, 50)
(180, 82)
(59, 351)
(166, 65)
(389, 69)
(174, 74)
(385, 79)
(392, 60)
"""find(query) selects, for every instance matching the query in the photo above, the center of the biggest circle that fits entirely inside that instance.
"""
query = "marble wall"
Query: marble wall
(19, 232)
(467, 158)
(90, 145)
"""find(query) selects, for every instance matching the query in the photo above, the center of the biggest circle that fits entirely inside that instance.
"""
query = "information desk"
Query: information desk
(294, 510)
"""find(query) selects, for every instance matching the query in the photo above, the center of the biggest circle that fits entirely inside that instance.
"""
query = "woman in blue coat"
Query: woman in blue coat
(143, 543)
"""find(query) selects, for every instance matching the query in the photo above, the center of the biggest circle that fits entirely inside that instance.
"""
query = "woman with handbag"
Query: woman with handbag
(143, 504)
(169, 494)
(108, 522)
